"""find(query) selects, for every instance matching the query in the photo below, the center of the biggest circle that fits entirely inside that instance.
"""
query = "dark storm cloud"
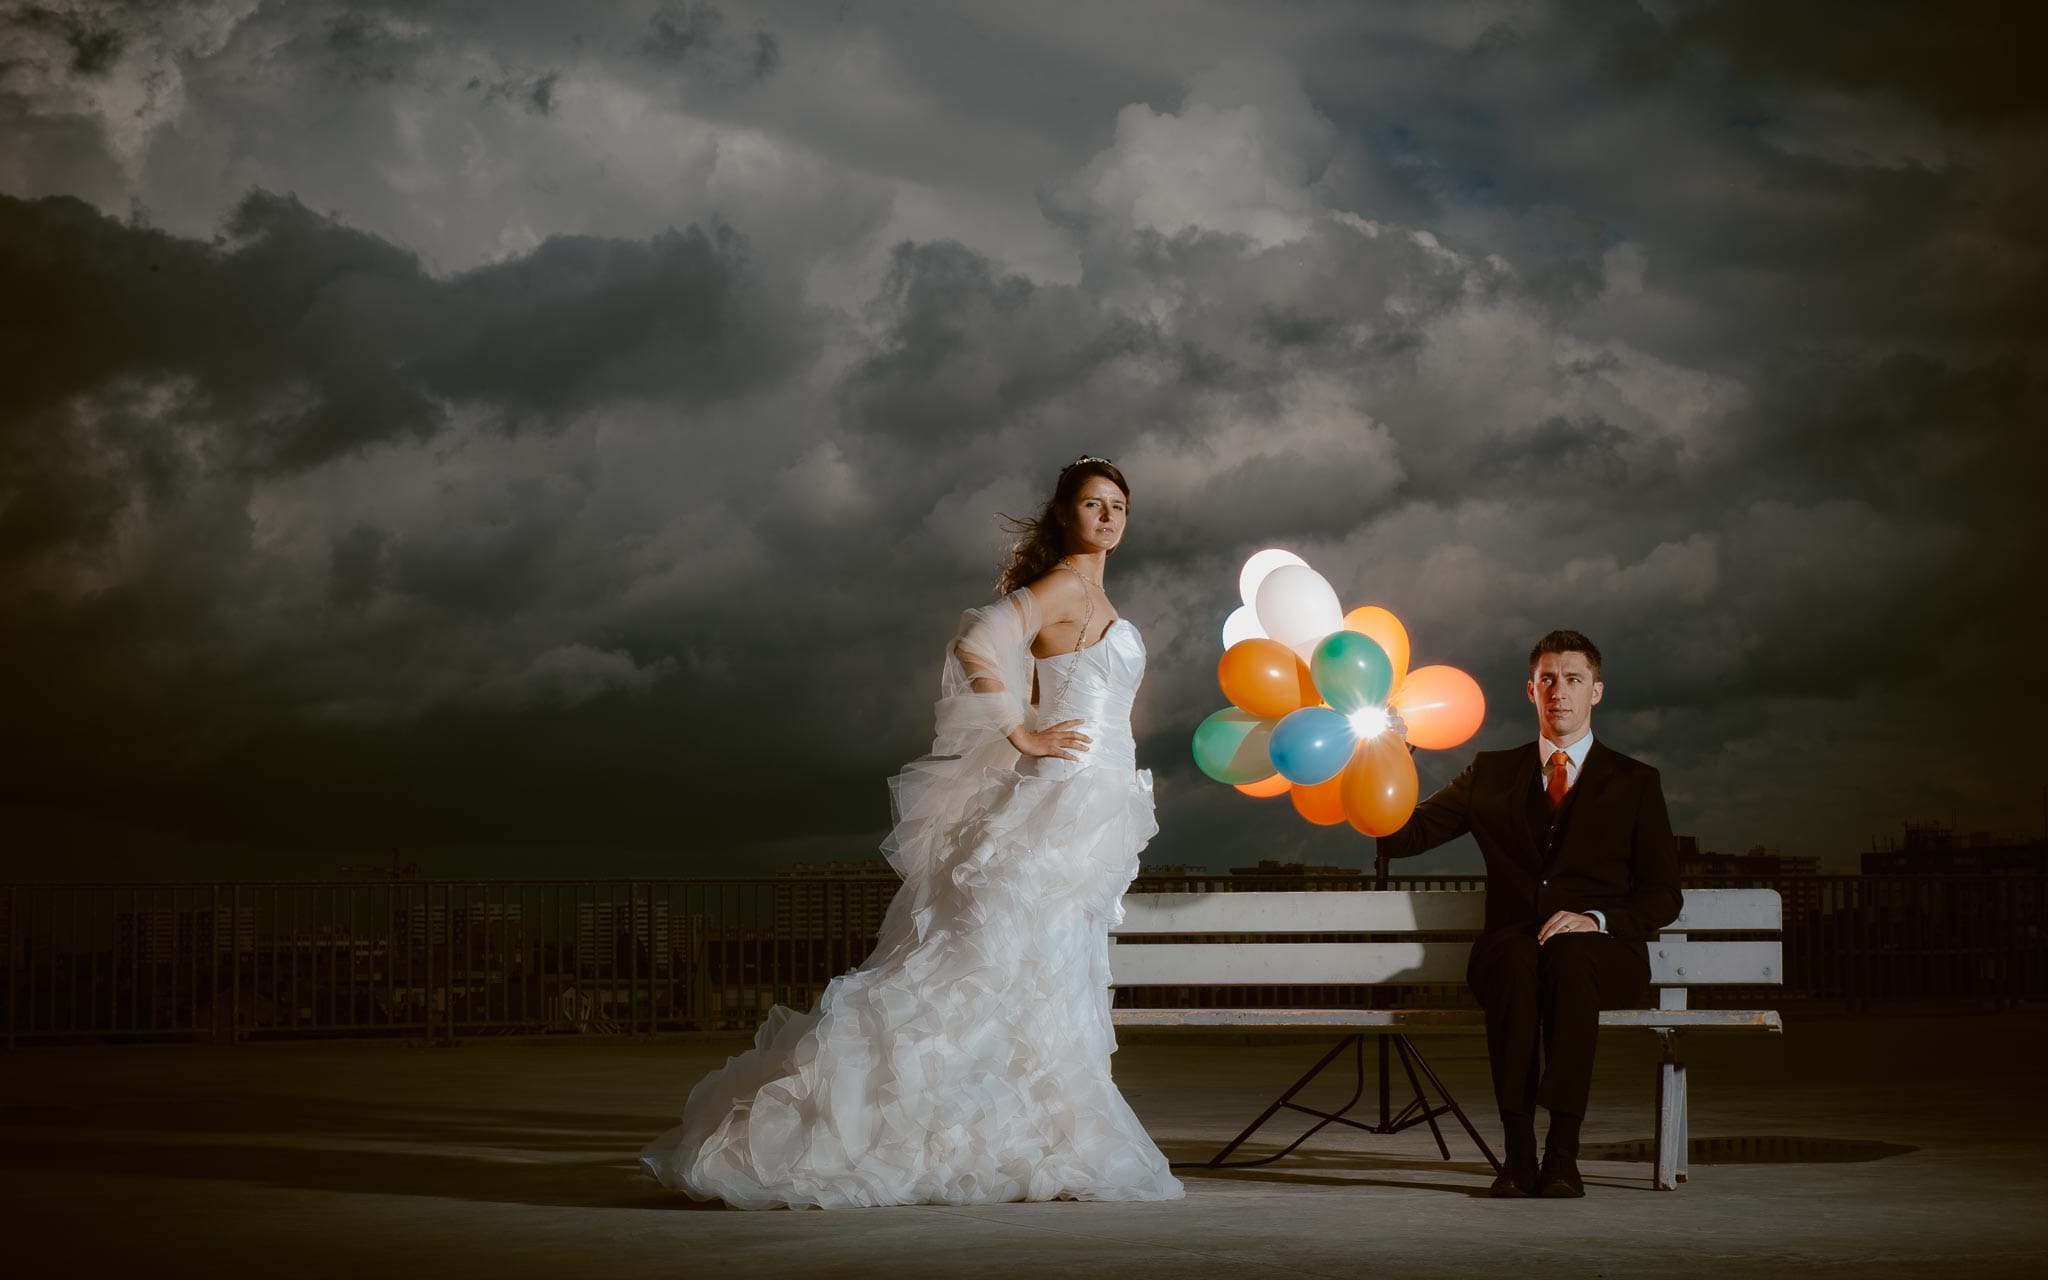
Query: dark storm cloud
(966, 345)
(1854, 218)
(480, 512)
(1591, 451)
(93, 47)
(695, 37)
(366, 49)
(534, 93)
(318, 339)
(1971, 66)
(165, 395)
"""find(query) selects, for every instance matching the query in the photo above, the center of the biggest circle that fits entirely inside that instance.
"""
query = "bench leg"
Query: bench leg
(1418, 1111)
(1355, 1043)
(1428, 1112)
(1684, 1126)
(1450, 1104)
(1672, 1135)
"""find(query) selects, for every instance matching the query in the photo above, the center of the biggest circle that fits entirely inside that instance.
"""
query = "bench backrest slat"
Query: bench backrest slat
(1443, 911)
(1729, 911)
(1417, 911)
(1262, 964)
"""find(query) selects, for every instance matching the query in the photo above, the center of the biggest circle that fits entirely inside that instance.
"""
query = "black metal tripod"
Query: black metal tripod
(1418, 1109)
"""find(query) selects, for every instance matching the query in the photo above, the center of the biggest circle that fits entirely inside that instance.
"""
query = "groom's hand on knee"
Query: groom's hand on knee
(1566, 922)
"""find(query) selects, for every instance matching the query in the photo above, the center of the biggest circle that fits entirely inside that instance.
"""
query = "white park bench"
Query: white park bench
(1397, 938)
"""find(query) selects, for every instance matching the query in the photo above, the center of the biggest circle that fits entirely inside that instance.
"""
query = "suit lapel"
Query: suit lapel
(1599, 768)
(1530, 808)
(1593, 779)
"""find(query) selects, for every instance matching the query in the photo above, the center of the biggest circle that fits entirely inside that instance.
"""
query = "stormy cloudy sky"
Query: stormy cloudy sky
(552, 439)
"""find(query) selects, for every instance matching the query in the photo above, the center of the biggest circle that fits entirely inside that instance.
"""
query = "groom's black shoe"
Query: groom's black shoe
(1559, 1178)
(1518, 1175)
(1517, 1180)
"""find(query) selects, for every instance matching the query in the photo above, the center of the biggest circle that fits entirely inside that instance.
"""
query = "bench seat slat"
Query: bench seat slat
(1419, 911)
(1269, 964)
(1363, 911)
(1439, 1021)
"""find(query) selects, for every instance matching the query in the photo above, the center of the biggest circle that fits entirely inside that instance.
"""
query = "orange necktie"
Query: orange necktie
(1559, 764)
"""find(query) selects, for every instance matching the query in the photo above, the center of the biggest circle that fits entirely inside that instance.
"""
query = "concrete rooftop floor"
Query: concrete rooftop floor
(514, 1158)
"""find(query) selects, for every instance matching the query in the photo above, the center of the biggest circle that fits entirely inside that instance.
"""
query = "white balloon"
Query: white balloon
(1298, 607)
(1256, 569)
(1242, 624)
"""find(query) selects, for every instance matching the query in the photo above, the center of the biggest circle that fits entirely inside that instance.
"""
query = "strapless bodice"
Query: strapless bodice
(1095, 686)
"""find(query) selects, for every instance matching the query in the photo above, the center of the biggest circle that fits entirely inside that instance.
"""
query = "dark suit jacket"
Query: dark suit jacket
(1609, 848)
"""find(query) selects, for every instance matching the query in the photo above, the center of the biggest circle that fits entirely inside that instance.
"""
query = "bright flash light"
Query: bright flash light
(1370, 722)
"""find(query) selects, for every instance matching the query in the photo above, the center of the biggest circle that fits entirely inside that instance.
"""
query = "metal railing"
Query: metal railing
(1890, 939)
(450, 959)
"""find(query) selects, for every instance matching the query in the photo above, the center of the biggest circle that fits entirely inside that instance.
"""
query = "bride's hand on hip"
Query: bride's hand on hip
(1059, 740)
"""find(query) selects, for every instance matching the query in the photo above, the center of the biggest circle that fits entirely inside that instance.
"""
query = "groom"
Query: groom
(1580, 875)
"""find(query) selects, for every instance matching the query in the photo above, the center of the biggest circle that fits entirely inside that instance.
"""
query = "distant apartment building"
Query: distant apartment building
(1164, 870)
(833, 899)
(1799, 895)
(1929, 848)
(168, 935)
(478, 923)
(1272, 875)
(338, 944)
(1695, 863)
(1173, 877)
(614, 936)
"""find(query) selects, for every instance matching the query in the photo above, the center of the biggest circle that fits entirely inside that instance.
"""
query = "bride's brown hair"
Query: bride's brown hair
(1041, 542)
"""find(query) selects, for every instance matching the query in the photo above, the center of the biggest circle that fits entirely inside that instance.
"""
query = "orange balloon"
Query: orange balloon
(1379, 785)
(1273, 786)
(1385, 630)
(1310, 695)
(1322, 803)
(1261, 676)
(1442, 706)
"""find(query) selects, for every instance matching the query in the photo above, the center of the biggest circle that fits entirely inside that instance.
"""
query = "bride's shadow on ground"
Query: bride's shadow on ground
(494, 1155)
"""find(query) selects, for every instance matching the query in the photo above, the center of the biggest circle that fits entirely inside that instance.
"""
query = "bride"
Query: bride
(966, 1061)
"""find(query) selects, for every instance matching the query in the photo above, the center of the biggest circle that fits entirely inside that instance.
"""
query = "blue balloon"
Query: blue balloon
(1312, 745)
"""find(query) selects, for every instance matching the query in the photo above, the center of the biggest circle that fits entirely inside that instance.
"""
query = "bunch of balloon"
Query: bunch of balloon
(1323, 706)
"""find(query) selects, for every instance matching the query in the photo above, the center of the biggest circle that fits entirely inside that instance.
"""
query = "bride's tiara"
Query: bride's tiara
(1086, 457)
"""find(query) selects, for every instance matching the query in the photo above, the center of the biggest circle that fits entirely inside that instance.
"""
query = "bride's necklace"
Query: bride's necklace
(1087, 616)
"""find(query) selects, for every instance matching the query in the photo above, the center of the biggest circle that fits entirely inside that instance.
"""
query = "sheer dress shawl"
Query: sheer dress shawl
(984, 693)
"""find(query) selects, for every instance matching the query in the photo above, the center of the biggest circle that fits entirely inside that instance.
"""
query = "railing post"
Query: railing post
(13, 946)
(235, 965)
(633, 955)
(212, 962)
(447, 962)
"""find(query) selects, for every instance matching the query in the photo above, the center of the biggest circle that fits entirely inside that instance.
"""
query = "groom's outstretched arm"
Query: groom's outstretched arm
(1442, 818)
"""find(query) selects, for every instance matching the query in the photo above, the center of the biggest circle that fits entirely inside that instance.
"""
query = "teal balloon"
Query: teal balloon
(1312, 745)
(1352, 671)
(1230, 746)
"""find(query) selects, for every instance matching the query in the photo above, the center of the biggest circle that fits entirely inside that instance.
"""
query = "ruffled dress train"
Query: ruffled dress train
(967, 1059)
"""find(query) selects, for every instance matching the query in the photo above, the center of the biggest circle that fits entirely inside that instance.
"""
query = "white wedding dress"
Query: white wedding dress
(966, 1061)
